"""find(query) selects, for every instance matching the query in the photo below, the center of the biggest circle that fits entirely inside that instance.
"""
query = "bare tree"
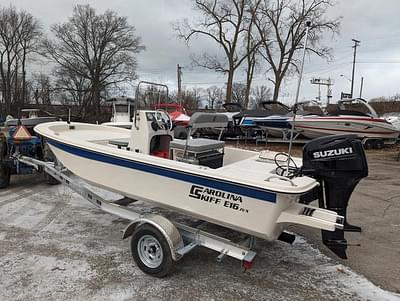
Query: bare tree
(225, 22)
(214, 96)
(19, 34)
(252, 44)
(100, 48)
(191, 99)
(260, 94)
(41, 86)
(239, 94)
(30, 35)
(281, 25)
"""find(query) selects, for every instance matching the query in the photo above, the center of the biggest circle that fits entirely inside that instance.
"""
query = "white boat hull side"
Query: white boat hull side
(255, 216)
(362, 127)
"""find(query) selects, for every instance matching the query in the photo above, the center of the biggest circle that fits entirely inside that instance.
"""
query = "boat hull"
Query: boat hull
(363, 127)
(247, 210)
(275, 126)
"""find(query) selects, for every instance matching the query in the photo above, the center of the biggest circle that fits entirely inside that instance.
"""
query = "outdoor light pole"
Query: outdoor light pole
(356, 44)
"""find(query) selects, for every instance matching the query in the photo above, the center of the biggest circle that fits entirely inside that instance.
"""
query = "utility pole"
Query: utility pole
(179, 73)
(356, 44)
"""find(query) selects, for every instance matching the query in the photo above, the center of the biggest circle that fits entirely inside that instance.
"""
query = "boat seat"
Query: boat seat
(200, 151)
(198, 145)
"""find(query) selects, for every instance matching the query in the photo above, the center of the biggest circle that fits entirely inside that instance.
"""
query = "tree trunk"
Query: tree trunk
(23, 96)
(16, 92)
(4, 87)
(96, 100)
(251, 63)
(277, 87)
(229, 85)
(36, 96)
(8, 85)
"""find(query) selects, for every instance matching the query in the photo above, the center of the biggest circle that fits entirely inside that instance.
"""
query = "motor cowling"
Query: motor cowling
(338, 163)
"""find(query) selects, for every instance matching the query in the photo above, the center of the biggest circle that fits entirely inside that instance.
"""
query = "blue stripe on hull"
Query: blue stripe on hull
(231, 187)
(273, 124)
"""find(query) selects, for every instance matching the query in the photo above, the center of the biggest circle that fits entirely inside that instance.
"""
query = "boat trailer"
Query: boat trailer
(156, 241)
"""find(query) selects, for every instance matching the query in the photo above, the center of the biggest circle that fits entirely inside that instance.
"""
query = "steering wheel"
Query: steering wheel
(286, 166)
(163, 120)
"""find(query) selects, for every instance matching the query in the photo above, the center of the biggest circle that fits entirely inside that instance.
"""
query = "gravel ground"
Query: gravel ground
(56, 246)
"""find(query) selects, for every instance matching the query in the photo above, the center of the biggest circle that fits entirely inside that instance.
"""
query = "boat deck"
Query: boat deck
(240, 166)
(252, 170)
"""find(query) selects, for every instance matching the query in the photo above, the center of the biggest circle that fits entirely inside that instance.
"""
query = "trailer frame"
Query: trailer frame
(181, 238)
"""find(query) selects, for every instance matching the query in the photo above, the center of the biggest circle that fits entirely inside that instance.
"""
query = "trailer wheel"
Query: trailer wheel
(5, 172)
(4, 176)
(369, 144)
(151, 251)
(378, 144)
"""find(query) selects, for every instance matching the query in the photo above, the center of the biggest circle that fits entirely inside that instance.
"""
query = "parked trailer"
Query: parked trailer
(17, 138)
(368, 143)
(156, 242)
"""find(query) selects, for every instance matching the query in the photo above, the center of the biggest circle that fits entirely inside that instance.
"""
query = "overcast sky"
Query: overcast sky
(375, 23)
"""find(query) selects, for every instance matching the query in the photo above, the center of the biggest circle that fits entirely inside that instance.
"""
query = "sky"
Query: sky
(375, 23)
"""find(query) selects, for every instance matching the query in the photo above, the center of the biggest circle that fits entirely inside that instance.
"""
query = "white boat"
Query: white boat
(232, 187)
(353, 116)
(121, 112)
(30, 118)
(394, 119)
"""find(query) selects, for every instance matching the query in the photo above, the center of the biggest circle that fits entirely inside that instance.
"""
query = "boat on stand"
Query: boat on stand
(278, 125)
(349, 116)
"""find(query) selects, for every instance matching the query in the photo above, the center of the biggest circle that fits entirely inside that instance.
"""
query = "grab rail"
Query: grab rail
(281, 178)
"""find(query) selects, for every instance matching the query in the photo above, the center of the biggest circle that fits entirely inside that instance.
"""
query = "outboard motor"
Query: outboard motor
(338, 163)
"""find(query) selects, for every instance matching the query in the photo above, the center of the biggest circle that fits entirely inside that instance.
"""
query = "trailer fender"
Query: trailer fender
(165, 226)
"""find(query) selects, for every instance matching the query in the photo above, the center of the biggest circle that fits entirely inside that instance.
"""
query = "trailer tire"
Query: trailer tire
(369, 144)
(4, 176)
(379, 144)
(5, 172)
(151, 251)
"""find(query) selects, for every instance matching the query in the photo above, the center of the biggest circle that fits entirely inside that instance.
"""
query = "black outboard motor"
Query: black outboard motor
(338, 163)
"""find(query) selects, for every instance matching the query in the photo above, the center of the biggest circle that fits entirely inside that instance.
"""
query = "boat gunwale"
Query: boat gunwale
(191, 170)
